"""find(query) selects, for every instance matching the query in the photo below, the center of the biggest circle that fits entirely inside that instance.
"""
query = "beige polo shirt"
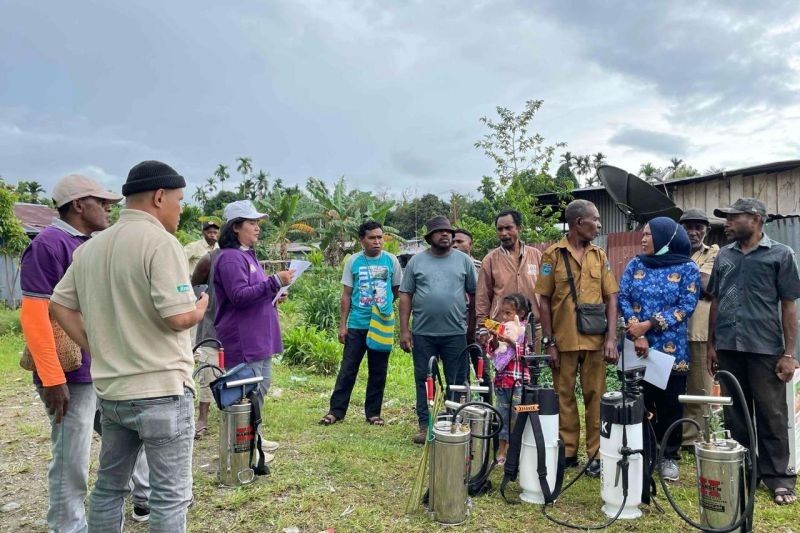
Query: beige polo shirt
(132, 277)
(502, 274)
(195, 251)
(698, 323)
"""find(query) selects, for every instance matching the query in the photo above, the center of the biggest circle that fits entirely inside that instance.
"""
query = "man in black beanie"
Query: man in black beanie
(128, 300)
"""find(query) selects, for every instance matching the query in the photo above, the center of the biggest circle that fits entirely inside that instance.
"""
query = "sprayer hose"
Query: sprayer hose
(753, 467)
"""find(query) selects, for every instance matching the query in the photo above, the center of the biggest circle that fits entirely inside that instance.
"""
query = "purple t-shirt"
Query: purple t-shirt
(43, 265)
(246, 321)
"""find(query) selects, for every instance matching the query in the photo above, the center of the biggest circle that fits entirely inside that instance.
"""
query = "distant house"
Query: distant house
(776, 184)
(34, 218)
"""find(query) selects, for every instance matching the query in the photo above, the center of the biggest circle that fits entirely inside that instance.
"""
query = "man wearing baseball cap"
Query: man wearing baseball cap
(83, 208)
(698, 382)
(198, 249)
(127, 297)
(752, 330)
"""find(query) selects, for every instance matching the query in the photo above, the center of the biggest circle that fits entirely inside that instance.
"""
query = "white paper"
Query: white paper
(299, 266)
(658, 365)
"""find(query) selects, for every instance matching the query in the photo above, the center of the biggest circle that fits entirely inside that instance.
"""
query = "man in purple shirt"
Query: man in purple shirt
(83, 208)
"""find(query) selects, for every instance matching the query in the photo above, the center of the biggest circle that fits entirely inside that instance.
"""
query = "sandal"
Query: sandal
(375, 421)
(328, 420)
(200, 432)
(783, 496)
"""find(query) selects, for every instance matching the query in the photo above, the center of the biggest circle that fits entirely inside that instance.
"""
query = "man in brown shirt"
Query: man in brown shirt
(509, 268)
(699, 381)
(570, 351)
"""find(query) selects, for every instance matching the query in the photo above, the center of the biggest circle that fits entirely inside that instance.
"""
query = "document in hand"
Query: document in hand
(658, 364)
(299, 267)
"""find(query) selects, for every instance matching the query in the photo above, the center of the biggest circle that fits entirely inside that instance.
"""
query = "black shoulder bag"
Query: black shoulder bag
(591, 317)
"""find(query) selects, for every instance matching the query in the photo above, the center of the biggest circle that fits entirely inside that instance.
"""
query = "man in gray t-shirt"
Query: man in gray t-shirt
(432, 291)
(751, 333)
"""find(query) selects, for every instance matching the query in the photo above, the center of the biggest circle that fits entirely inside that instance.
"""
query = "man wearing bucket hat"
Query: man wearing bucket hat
(83, 208)
(752, 332)
(432, 289)
(698, 382)
(127, 297)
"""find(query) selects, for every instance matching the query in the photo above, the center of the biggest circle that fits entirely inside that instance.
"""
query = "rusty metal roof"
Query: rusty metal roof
(34, 217)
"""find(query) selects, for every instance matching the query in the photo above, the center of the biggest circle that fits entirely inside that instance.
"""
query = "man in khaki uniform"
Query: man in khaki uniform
(509, 268)
(699, 381)
(570, 351)
(196, 250)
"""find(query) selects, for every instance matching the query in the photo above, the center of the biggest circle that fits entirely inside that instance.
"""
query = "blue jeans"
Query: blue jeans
(165, 428)
(68, 475)
(450, 350)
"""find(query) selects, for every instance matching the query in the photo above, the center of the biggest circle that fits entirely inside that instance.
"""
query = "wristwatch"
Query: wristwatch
(547, 342)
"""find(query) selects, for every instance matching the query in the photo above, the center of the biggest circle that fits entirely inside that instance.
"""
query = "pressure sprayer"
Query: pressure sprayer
(722, 467)
(450, 455)
(626, 461)
(237, 426)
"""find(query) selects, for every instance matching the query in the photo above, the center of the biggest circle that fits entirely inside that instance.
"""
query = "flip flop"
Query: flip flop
(375, 421)
(780, 495)
(200, 432)
(328, 420)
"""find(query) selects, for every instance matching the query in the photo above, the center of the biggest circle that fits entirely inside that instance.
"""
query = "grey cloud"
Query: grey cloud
(411, 163)
(666, 144)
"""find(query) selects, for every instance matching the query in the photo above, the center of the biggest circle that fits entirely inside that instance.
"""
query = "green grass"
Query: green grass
(356, 477)
(9, 320)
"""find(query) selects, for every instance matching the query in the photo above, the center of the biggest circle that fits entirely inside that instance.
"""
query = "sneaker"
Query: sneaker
(422, 436)
(593, 470)
(269, 445)
(140, 514)
(668, 470)
(268, 458)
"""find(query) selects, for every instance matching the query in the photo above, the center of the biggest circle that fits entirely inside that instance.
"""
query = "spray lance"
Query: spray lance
(721, 467)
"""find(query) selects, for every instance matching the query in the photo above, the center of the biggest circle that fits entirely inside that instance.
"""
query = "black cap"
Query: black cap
(150, 176)
(210, 224)
(750, 206)
(694, 215)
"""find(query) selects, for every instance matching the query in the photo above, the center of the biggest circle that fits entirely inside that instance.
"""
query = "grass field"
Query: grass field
(349, 476)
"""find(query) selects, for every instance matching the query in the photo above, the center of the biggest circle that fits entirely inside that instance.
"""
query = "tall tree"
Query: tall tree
(222, 175)
(650, 172)
(262, 184)
(245, 166)
(211, 184)
(200, 195)
(598, 160)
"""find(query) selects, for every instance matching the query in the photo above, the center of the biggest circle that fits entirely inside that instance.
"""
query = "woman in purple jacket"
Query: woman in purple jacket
(247, 321)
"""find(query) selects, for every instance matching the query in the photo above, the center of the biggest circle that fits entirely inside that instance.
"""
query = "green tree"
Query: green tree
(649, 172)
(244, 166)
(285, 221)
(222, 175)
(29, 192)
(215, 204)
(409, 217)
(211, 184)
(565, 178)
(200, 195)
(262, 184)
(13, 240)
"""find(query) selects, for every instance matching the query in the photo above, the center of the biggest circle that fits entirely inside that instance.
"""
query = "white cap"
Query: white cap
(75, 186)
(242, 209)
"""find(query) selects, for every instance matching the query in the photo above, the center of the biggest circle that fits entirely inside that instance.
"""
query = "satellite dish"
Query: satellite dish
(637, 199)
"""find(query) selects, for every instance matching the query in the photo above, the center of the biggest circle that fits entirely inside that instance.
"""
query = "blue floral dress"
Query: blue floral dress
(666, 296)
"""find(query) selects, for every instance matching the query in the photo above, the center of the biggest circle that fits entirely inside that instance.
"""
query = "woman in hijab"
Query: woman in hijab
(246, 320)
(658, 293)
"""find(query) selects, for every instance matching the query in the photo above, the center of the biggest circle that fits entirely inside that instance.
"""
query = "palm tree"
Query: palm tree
(598, 159)
(211, 184)
(262, 184)
(222, 175)
(245, 166)
(33, 190)
(567, 159)
(649, 172)
(283, 216)
(200, 195)
(247, 189)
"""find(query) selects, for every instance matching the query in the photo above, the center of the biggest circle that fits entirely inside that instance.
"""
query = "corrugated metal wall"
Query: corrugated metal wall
(10, 292)
(787, 231)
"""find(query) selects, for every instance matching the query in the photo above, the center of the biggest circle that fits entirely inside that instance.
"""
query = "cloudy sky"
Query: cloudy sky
(389, 94)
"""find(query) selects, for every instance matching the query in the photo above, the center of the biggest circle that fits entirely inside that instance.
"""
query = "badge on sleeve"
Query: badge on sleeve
(183, 288)
(532, 269)
(547, 269)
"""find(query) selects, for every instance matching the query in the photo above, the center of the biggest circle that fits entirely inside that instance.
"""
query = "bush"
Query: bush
(318, 294)
(314, 350)
(9, 321)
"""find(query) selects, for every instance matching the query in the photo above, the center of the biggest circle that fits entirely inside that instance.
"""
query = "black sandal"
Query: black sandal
(783, 493)
(328, 420)
(375, 421)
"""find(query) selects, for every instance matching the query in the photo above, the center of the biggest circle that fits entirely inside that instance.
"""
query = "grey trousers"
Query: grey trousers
(766, 396)
(698, 382)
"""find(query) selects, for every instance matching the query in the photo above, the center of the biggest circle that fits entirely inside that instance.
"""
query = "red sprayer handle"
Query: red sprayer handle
(429, 388)
(479, 369)
(221, 357)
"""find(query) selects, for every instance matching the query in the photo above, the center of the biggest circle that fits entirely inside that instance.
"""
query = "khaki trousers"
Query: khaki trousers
(592, 370)
(698, 382)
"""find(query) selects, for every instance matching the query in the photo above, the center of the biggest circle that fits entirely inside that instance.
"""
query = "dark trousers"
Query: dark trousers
(355, 345)
(766, 396)
(666, 409)
(450, 351)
